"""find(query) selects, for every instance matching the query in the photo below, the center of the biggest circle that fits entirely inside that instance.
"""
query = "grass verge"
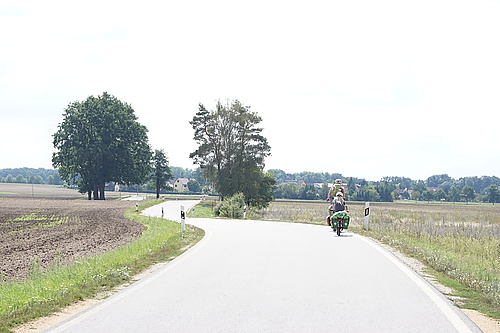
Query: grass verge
(47, 292)
(205, 209)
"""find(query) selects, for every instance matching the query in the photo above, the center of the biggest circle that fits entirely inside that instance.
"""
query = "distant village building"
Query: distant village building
(319, 186)
(298, 182)
(181, 185)
(403, 194)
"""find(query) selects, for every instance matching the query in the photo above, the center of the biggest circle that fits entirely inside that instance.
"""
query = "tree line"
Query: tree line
(311, 185)
(51, 177)
(314, 186)
(30, 176)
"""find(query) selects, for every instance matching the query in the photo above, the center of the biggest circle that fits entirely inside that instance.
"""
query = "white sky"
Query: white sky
(363, 88)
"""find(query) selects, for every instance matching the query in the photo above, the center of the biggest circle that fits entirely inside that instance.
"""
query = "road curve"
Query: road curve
(255, 276)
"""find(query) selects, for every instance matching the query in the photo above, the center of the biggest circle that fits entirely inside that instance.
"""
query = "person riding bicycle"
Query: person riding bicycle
(337, 205)
(337, 187)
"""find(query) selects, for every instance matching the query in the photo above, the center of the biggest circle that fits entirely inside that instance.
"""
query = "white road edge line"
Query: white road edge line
(432, 294)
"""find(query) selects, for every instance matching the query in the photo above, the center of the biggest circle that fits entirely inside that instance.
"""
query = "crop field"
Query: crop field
(307, 211)
(57, 247)
(458, 242)
(45, 225)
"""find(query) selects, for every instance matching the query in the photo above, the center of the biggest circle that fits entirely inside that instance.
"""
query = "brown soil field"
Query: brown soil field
(43, 224)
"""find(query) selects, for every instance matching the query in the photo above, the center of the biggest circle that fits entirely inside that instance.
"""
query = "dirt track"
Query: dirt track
(42, 224)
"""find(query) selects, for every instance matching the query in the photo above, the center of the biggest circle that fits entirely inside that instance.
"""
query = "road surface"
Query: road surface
(254, 276)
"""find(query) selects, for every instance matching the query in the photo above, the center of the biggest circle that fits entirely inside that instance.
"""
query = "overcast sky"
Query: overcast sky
(363, 88)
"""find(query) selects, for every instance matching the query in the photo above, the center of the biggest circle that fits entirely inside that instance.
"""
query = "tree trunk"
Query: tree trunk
(101, 190)
(96, 191)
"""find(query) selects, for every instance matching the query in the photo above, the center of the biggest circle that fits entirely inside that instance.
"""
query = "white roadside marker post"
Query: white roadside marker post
(183, 219)
(367, 216)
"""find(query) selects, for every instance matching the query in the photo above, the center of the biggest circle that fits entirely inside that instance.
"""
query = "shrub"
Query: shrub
(231, 207)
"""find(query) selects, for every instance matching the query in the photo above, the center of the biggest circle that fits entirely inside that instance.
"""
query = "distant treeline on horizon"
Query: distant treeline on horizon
(435, 188)
(443, 181)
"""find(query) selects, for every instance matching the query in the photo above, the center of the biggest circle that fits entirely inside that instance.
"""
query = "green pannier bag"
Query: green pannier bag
(343, 216)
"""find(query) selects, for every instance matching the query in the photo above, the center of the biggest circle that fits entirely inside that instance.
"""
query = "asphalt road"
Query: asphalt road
(253, 276)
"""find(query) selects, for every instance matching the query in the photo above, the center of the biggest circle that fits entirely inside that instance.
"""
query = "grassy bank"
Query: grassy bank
(459, 243)
(46, 292)
(203, 210)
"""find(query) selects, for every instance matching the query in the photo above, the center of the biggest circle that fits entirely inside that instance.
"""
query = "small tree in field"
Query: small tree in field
(161, 171)
(454, 194)
(468, 193)
(20, 179)
(493, 193)
(440, 195)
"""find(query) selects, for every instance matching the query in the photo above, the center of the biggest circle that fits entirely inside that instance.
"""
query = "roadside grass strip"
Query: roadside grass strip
(43, 293)
(205, 209)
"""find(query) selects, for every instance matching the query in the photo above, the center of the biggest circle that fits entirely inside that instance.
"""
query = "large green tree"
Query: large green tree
(419, 186)
(99, 141)
(384, 190)
(366, 193)
(231, 149)
(454, 194)
(493, 193)
(437, 180)
(288, 191)
(161, 171)
(468, 193)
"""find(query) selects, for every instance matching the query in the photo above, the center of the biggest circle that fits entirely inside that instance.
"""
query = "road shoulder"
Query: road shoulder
(486, 324)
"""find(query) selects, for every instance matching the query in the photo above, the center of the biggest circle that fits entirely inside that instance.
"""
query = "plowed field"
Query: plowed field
(43, 224)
